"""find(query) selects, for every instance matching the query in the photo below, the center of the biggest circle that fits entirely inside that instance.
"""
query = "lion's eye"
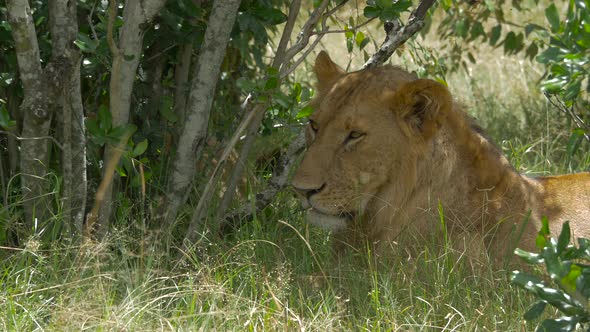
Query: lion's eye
(353, 136)
(314, 126)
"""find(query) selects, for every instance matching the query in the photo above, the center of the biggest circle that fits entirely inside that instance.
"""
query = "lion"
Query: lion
(387, 152)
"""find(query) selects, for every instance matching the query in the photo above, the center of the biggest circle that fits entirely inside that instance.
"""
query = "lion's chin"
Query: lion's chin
(326, 221)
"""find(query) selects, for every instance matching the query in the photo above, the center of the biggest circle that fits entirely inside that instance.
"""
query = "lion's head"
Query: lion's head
(365, 138)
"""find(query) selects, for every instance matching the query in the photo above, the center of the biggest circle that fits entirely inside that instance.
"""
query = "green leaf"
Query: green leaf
(529, 257)
(401, 5)
(551, 54)
(245, 84)
(116, 134)
(540, 241)
(5, 121)
(553, 17)
(280, 98)
(584, 247)
(85, 44)
(532, 51)
(554, 85)
(167, 109)
(305, 112)
(364, 43)
(525, 280)
(477, 30)
(121, 171)
(532, 27)
(564, 324)
(572, 91)
(97, 135)
(140, 148)
(495, 34)
(513, 43)
(569, 281)
(269, 15)
(544, 226)
(574, 142)
(360, 37)
(271, 83)
(371, 12)
(461, 28)
(104, 118)
(564, 237)
(535, 310)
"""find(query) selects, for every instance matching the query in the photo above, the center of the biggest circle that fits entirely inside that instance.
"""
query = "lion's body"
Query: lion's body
(392, 150)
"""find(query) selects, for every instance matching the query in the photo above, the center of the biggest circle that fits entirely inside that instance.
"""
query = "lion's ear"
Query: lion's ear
(423, 104)
(326, 71)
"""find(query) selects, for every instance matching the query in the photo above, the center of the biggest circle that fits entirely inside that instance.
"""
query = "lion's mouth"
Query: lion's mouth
(328, 221)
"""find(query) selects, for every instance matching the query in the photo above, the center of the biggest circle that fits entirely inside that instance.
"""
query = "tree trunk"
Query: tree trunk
(181, 72)
(64, 30)
(12, 102)
(257, 121)
(126, 58)
(36, 108)
(199, 104)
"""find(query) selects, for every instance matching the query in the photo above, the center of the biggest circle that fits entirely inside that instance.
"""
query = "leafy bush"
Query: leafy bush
(567, 283)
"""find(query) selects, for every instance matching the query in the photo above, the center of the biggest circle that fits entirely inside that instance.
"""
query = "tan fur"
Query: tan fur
(389, 149)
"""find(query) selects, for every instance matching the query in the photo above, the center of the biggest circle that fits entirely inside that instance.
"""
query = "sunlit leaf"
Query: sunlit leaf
(552, 16)
(305, 112)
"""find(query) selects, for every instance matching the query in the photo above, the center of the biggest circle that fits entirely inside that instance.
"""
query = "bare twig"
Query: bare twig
(105, 183)
(277, 183)
(89, 19)
(356, 27)
(18, 138)
(396, 38)
(325, 30)
(569, 111)
(303, 37)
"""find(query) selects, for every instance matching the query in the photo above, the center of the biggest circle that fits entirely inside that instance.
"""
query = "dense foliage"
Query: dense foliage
(567, 268)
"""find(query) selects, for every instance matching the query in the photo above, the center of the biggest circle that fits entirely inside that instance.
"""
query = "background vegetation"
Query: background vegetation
(158, 255)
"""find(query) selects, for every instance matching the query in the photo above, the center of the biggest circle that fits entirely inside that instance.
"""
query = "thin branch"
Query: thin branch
(286, 36)
(286, 71)
(302, 58)
(162, 52)
(303, 37)
(105, 183)
(396, 38)
(111, 23)
(569, 111)
(277, 183)
(356, 27)
(18, 138)
(89, 19)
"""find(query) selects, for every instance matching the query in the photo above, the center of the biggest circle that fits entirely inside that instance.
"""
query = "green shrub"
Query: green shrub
(566, 283)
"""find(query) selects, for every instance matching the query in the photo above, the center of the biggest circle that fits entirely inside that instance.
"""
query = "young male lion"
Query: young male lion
(386, 150)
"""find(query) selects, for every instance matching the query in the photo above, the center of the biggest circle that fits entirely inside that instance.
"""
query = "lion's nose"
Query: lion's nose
(307, 192)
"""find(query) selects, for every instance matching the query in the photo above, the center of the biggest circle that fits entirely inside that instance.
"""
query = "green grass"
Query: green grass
(270, 276)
